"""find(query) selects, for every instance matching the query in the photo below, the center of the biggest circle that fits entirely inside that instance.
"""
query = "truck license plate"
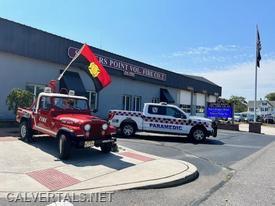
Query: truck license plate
(89, 143)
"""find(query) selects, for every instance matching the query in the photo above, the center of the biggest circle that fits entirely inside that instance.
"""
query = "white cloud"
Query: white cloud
(201, 50)
(239, 79)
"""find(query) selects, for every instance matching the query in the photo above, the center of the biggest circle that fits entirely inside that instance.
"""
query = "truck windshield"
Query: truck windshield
(70, 104)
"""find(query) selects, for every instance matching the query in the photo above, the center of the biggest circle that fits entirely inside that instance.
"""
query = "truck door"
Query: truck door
(152, 117)
(43, 118)
(176, 116)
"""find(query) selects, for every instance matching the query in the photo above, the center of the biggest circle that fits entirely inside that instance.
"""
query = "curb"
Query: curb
(154, 173)
(178, 179)
(186, 176)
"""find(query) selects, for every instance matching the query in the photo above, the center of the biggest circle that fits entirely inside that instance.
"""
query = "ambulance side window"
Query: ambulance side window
(157, 110)
(173, 112)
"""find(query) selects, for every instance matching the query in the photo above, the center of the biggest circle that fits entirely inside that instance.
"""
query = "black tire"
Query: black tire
(26, 132)
(64, 146)
(197, 135)
(128, 129)
(106, 147)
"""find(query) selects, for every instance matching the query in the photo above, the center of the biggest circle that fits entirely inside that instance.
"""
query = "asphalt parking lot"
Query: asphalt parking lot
(214, 160)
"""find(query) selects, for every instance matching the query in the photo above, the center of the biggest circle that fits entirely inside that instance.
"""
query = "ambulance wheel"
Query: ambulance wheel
(64, 146)
(197, 135)
(26, 132)
(128, 129)
(106, 147)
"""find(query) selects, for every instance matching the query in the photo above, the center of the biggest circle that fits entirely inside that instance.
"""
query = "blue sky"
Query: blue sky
(193, 37)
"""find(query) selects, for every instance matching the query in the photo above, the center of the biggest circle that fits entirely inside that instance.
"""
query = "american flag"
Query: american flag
(258, 48)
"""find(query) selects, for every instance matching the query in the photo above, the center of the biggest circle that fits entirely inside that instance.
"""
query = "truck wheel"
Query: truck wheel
(106, 148)
(25, 132)
(128, 130)
(64, 146)
(197, 135)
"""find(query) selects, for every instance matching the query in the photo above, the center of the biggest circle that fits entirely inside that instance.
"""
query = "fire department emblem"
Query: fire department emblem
(93, 69)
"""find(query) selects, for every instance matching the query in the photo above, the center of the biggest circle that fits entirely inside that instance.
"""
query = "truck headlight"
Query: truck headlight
(105, 126)
(87, 127)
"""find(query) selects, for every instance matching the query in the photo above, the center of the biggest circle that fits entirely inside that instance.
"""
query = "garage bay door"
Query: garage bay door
(185, 97)
(200, 99)
(212, 98)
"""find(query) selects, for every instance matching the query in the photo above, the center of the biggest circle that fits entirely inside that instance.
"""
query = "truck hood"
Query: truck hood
(78, 118)
(197, 118)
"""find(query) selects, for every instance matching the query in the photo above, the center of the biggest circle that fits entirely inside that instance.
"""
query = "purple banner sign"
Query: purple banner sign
(126, 68)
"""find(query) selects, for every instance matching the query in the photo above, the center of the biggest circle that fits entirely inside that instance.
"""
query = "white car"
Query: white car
(162, 118)
(237, 117)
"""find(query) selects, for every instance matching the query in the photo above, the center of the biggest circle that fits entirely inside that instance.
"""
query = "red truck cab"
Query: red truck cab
(68, 118)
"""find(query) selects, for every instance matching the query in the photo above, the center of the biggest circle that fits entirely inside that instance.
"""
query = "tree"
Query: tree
(270, 96)
(240, 103)
(19, 98)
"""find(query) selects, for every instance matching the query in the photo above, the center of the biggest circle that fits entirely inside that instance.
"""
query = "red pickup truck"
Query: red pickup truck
(68, 118)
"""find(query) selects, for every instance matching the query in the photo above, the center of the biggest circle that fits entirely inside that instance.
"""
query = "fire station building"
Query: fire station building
(30, 58)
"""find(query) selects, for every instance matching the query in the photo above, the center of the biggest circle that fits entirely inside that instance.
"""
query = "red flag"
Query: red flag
(94, 68)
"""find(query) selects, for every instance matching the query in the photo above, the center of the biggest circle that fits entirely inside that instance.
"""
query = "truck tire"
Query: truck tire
(128, 129)
(64, 146)
(26, 132)
(106, 147)
(197, 135)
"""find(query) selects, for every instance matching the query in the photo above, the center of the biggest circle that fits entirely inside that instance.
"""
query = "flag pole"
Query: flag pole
(255, 99)
(256, 74)
(75, 57)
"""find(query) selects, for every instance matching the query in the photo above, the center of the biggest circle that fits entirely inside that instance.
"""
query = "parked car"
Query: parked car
(162, 118)
(237, 117)
(68, 118)
(269, 119)
(250, 117)
(243, 116)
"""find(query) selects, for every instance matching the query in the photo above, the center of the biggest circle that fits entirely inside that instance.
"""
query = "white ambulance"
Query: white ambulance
(162, 118)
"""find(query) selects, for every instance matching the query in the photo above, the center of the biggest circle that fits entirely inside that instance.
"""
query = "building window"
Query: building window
(199, 109)
(251, 109)
(127, 102)
(155, 100)
(35, 89)
(186, 108)
(92, 98)
(137, 103)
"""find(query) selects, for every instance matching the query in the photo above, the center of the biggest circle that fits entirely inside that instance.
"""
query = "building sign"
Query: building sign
(219, 109)
(126, 68)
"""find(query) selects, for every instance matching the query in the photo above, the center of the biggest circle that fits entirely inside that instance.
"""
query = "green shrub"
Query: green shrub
(19, 98)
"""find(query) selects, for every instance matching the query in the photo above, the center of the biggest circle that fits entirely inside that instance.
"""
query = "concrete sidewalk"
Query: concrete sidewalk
(36, 168)
(268, 130)
(252, 184)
